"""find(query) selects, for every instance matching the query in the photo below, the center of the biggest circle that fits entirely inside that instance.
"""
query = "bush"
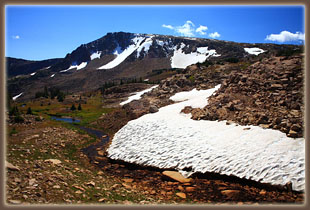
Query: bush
(14, 111)
(18, 119)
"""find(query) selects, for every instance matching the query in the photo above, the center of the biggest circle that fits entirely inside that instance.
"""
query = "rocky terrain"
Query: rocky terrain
(46, 165)
(267, 93)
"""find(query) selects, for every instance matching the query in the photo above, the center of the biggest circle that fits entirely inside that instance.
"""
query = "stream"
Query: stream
(90, 151)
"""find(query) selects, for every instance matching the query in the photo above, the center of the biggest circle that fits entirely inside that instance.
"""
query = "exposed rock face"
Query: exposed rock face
(268, 93)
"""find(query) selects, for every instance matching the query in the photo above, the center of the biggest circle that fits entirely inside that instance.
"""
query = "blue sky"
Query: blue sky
(43, 32)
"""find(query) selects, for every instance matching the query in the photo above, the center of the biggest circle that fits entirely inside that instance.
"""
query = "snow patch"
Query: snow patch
(52, 75)
(15, 97)
(137, 95)
(182, 60)
(123, 55)
(145, 46)
(170, 139)
(32, 74)
(95, 55)
(254, 50)
(81, 66)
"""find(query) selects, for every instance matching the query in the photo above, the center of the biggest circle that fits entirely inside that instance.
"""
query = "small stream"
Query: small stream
(90, 151)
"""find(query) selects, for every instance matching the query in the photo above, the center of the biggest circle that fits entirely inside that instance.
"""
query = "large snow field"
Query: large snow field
(182, 60)
(170, 139)
(137, 95)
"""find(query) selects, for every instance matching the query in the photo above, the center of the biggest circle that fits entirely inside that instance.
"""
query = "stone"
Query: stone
(11, 166)
(153, 109)
(53, 161)
(230, 193)
(101, 153)
(292, 134)
(181, 188)
(91, 183)
(56, 187)
(16, 202)
(128, 180)
(176, 176)
(189, 189)
(181, 195)
(296, 127)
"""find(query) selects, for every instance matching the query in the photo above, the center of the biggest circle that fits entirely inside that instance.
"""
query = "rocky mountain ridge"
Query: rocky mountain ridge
(121, 55)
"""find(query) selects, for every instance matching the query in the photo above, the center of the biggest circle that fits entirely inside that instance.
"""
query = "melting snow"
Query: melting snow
(15, 97)
(123, 55)
(137, 95)
(170, 139)
(182, 60)
(254, 50)
(95, 55)
(52, 75)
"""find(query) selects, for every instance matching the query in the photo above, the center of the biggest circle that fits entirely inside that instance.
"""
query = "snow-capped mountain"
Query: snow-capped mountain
(123, 55)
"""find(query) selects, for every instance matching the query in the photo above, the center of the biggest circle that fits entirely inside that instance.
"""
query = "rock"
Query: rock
(128, 180)
(78, 192)
(91, 183)
(181, 188)
(181, 195)
(101, 153)
(11, 166)
(292, 134)
(153, 109)
(230, 193)
(16, 202)
(296, 127)
(127, 186)
(101, 200)
(262, 192)
(56, 187)
(189, 189)
(176, 176)
(53, 161)
(32, 181)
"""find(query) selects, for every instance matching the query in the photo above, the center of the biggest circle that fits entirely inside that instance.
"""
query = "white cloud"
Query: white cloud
(187, 29)
(214, 35)
(201, 30)
(286, 36)
(16, 37)
(167, 26)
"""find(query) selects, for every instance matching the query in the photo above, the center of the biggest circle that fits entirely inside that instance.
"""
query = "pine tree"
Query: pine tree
(73, 107)
(45, 92)
(29, 111)
(79, 107)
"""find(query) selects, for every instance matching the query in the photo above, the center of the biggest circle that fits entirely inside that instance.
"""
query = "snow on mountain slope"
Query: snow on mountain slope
(137, 95)
(95, 55)
(170, 139)
(182, 60)
(145, 46)
(254, 50)
(15, 97)
(123, 55)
